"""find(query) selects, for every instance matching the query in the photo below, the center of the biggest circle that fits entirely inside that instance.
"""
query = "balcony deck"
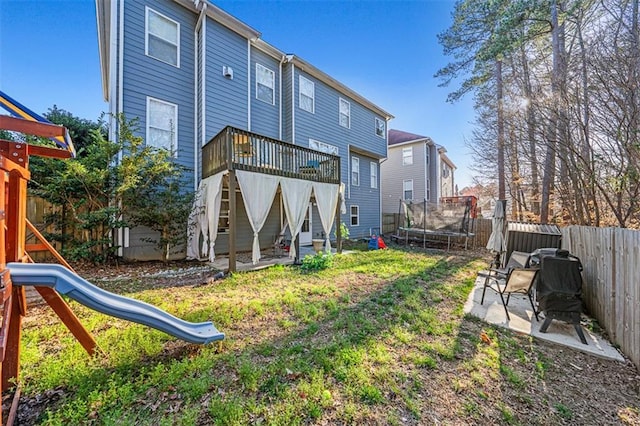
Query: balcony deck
(235, 149)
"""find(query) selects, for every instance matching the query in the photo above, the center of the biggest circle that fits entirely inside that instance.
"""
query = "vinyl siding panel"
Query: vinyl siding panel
(244, 240)
(146, 76)
(264, 116)
(323, 125)
(226, 99)
(287, 70)
(367, 198)
(393, 174)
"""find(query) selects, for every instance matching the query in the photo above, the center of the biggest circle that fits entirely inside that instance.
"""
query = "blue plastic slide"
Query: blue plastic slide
(70, 284)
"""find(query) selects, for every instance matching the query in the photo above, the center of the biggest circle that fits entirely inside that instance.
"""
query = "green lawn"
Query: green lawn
(377, 338)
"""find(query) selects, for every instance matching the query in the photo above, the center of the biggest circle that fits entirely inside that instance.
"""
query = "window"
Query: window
(307, 94)
(407, 156)
(162, 125)
(380, 128)
(445, 171)
(265, 84)
(428, 189)
(355, 171)
(374, 174)
(407, 188)
(162, 38)
(355, 215)
(323, 147)
(345, 113)
(426, 155)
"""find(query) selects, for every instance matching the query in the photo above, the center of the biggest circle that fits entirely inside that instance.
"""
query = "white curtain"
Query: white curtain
(203, 219)
(326, 201)
(195, 224)
(296, 194)
(343, 205)
(258, 191)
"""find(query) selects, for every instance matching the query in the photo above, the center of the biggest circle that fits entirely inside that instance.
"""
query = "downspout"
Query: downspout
(293, 104)
(196, 86)
(123, 233)
(249, 85)
(439, 176)
(280, 96)
(426, 170)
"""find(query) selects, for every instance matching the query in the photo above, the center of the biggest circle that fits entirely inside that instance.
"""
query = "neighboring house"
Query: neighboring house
(416, 169)
(196, 76)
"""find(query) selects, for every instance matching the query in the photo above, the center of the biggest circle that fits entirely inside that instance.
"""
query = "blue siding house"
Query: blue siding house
(197, 77)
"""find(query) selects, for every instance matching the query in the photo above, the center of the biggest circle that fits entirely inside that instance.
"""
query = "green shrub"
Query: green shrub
(317, 262)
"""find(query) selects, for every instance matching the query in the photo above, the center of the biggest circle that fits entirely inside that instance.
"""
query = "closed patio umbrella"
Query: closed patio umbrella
(496, 241)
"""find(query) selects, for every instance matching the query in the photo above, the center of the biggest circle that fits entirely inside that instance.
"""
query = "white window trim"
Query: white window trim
(175, 119)
(357, 161)
(375, 129)
(340, 101)
(357, 215)
(374, 177)
(147, 9)
(404, 189)
(300, 94)
(407, 149)
(323, 147)
(273, 84)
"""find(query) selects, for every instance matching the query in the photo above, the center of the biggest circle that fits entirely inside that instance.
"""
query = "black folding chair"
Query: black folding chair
(517, 280)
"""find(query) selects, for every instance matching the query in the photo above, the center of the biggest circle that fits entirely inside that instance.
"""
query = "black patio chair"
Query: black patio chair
(517, 280)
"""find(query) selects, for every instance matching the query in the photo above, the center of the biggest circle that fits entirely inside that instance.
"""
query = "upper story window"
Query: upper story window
(445, 171)
(162, 125)
(355, 171)
(374, 174)
(380, 128)
(323, 147)
(345, 113)
(162, 38)
(307, 94)
(427, 191)
(426, 155)
(265, 84)
(407, 189)
(407, 156)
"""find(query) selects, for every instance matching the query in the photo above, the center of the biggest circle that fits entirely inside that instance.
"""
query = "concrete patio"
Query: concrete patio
(523, 321)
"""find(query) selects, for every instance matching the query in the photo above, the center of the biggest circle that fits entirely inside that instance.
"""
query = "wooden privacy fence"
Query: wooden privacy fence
(611, 291)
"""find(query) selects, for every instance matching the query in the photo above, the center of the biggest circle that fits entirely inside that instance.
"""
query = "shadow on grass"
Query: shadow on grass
(349, 347)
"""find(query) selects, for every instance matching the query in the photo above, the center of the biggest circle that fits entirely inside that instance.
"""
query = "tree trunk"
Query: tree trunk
(500, 124)
(555, 126)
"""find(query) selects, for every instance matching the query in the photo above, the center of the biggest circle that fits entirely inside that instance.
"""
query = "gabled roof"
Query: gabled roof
(398, 136)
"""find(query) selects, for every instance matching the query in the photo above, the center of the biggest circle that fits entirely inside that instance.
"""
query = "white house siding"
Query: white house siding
(394, 173)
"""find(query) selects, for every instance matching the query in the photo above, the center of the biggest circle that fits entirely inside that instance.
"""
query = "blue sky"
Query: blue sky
(385, 50)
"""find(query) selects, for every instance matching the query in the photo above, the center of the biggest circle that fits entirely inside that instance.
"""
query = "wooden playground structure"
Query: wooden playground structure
(14, 165)
(17, 268)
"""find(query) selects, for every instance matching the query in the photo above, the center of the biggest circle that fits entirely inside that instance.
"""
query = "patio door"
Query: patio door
(305, 232)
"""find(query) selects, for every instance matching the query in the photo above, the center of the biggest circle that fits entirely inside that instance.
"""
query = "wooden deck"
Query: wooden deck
(235, 149)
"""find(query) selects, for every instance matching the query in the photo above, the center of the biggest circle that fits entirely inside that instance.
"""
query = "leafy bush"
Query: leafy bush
(110, 185)
(317, 262)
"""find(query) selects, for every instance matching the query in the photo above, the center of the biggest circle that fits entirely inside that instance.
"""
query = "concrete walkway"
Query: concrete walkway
(524, 321)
